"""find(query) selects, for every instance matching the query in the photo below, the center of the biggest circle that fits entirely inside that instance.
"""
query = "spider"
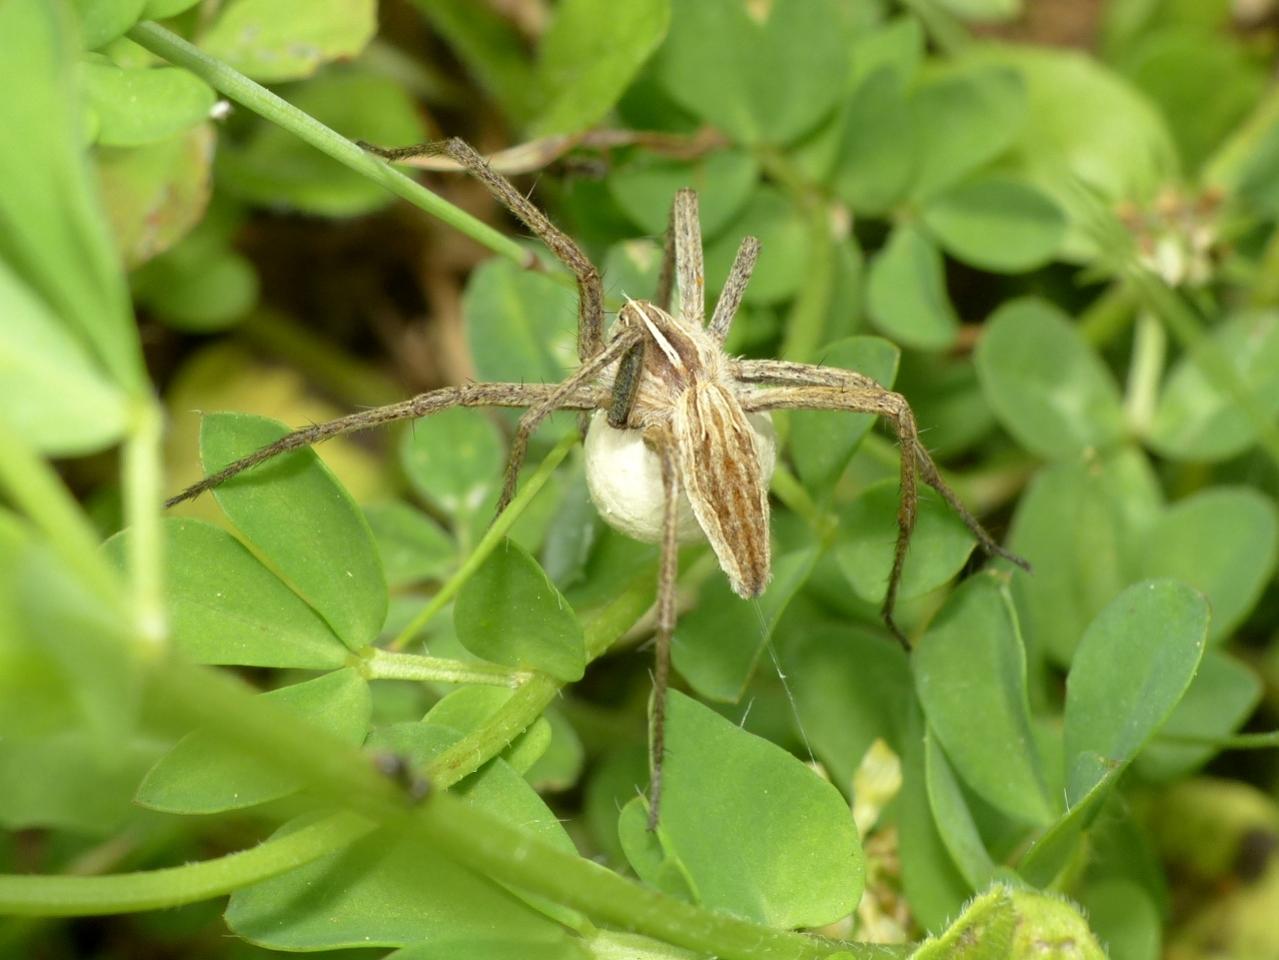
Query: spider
(667, 402)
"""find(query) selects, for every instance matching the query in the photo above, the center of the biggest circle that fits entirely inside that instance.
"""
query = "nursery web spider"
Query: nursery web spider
(662, 386)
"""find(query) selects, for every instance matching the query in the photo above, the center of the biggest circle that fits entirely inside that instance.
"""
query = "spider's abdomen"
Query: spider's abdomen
(725, 475)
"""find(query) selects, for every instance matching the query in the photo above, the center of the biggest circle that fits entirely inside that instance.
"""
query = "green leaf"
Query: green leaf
(225, 607)
(822, 441)
(51, 392)
(454, 461)
(784, 241)
(509, 612)
(413, 547)
(1125, 918)
(560, 764)
(1083, 527)
(996, 224)
(1131, 669)
(273, 168)
(954, 820)
(851, 687)
(970, 675)
(303, 522)
(1222, 542)
(934, 887)
(1055, 848)
(758, 80)
(203, 774)
(136, 107)
(381, 891)
(275, 40)
(896, 43)
(907, 291)
(1220, 698)
(868, 535)
(520, 325)
(1046, 385)
(155, 193)
(101, 21)
(1084, 125)
(1194, 419)
(717, 643)
(724, 181)
(781, 849)
(963, 119)
(589, 55)
(875, 159)
(70, 780)
(1204, 82)
(55, 237)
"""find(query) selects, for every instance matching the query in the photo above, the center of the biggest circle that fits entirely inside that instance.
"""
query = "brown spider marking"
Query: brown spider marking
(665, 379)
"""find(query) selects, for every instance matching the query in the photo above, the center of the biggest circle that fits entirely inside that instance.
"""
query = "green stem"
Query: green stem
(70, 896)
(492, 537)
(142, 474)
(1150, 346)
(386, 665)
(266, 104)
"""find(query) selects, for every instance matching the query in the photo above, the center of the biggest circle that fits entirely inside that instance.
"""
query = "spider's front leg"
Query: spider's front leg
(805, 387)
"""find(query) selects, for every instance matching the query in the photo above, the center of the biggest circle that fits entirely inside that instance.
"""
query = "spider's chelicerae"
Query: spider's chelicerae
(668, 403)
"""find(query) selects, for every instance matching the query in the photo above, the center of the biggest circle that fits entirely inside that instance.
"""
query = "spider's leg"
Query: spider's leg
(472, 395)
(554, 400)
(665, 625)
(730, 298)
(590, 293)
(690, 273)
(817, 392)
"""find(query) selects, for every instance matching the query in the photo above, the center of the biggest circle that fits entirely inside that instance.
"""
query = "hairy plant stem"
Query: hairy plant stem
(169, 46)
(387, 665)
(339, 775)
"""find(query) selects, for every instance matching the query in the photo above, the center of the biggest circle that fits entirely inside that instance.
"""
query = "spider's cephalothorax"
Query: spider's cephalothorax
(684, 405)
(671, 407)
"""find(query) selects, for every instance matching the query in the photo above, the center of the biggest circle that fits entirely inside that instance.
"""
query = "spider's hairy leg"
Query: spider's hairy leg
(730, 298)
(590, 291)
(690, 272)
(472, 395)
(665, 622)
(554, 400)
(915, 459)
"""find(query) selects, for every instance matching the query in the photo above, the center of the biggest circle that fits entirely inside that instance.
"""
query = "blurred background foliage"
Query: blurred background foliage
(1052, 224)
